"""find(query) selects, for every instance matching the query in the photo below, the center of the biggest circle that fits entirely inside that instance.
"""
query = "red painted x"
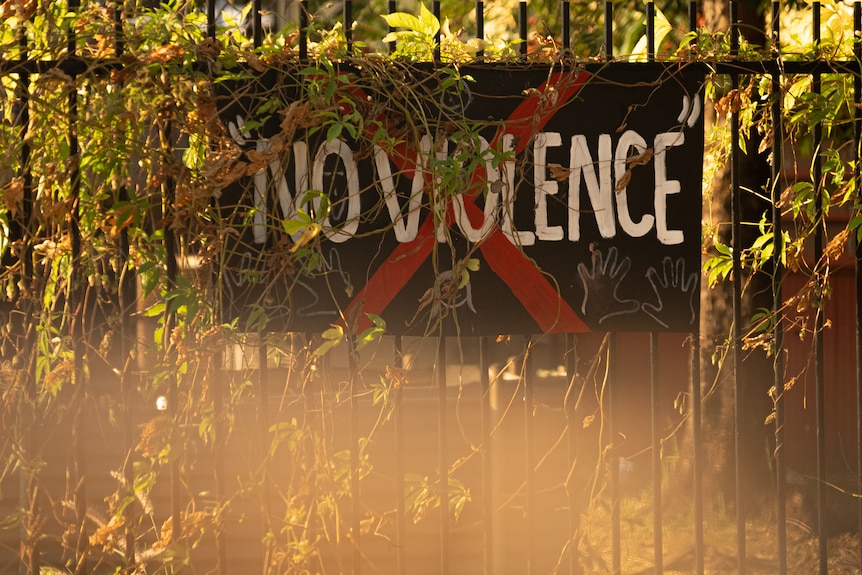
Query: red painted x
(529, 285)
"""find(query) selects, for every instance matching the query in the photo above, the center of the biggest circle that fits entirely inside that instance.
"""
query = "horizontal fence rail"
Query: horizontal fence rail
(241, 450)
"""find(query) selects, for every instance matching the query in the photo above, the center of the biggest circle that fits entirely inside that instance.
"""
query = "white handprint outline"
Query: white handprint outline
(601, 285)
(672, 282)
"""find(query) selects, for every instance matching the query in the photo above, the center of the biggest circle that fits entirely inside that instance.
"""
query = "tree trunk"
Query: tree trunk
(718, 380)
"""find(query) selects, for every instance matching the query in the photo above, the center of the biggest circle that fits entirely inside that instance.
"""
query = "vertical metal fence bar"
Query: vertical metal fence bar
(609, 29)
(219, 429)
(78, 343)
(736, 337)
(355, 487)
(697, 456)
(613, 456)
(650, 29)
(443, 453)
(348, 25)
(566, 16)
(31, 557)
(820, 310)
(696, 399)
(656, 452)
(256, 23)
(487, 462)
(529, 457)
(76, 304)
(303, 30)
(820, 398)
(71, 37)
(119, 41)
(391, 9)
(219, 424)
(211, 18)
(168, 198)
(480, 27)
(29, 473)
(126, 298)
(400, 504)
(692, 20)
(22, 123)
(263, 438)
(522, 28)
(857, 178)
(127, 338)
(435, 8)
(570, 403)
(778, 327)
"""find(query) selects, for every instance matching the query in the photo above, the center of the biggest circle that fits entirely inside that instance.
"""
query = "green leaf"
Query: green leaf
(331, 337)
(856, 224)
(285, 430)
(373, 332)
(257, 318)
(391, 37)
(335, 332)
(429, 24)
(761, 241)
(351, 129)
(380, 391)
(334, 132)
(459, 495)
(149, 273)
(294, 226)
(465, 278)
(155, 310)
(402, 20)
(723, 249)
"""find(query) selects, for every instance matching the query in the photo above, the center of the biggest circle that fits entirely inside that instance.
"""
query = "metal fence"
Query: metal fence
(569, 453)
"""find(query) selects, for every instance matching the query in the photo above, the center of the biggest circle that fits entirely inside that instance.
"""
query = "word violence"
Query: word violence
(597, 180)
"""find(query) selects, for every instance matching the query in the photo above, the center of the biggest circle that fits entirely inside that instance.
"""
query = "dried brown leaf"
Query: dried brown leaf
(837, 246)
(786, 197)
(730, 103)
(623, 182)
(106, 534)
(558, 172)
(22, 9)
(255, 63)
(765, 142)
(257, 161)
(13, 195)
(641, 160)
(164, 54)
(209, 49)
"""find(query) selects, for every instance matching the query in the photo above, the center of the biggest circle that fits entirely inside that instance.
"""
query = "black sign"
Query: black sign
(573, 205)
